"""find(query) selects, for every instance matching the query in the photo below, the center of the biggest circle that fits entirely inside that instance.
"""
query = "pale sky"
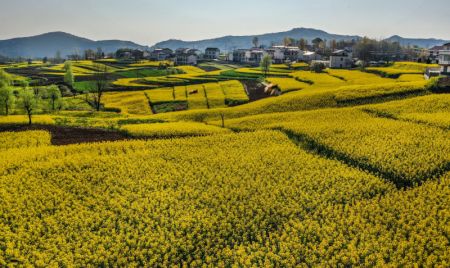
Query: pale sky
(149, 21)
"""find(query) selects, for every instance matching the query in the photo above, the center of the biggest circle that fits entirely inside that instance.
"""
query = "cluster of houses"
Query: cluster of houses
(279, 54)
(184, 56)
(342, 58)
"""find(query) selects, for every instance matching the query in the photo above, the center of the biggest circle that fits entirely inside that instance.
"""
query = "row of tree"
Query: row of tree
(27, 99)
(365, 49)
(31, 100)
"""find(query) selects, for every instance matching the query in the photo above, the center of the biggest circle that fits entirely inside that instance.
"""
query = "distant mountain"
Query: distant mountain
(234, 42)
(420, 42)
(46, 45)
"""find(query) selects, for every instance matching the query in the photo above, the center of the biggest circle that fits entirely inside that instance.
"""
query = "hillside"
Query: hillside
(420, 42)
(46, 45)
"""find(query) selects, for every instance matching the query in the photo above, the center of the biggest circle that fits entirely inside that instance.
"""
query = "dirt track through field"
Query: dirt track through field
(62, 135)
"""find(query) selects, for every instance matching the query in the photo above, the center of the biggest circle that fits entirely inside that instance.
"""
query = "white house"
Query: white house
(341, 59)
(277, 54)
(254, 56)
(281, 54)
(433, 53)
(161, 54)
(444, 59)
(309, 56)
(239, 55)
(186, 56)
(211, 53)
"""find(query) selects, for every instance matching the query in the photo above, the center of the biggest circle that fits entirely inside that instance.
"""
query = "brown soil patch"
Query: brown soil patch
(255, 90)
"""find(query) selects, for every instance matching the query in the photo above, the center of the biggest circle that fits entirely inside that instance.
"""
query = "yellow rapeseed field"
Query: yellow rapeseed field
(172, 130)
(24, 139)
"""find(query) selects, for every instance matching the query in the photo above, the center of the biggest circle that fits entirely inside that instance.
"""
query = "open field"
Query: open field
(184, 166)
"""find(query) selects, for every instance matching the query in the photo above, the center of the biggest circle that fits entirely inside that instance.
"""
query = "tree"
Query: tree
(316, 42)
(54, 94)
(317, 67)
(100, 84)
(58, 58)
(29, 102)
(69, 78)
(6, 98)
(333, 45)
(364, 49)
(100, 54)
(5, 78)
(302, 43)
(287, 41)
(266, 62)
(255, 41)
(89, 54)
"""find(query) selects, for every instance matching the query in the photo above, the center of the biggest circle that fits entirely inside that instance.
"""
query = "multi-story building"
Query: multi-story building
(444, 59)
(186, 56)
(161, 54)
(211, 53)
(239, 55)
(341, 59)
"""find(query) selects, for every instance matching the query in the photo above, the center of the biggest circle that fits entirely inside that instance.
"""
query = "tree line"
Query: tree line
(366, 49)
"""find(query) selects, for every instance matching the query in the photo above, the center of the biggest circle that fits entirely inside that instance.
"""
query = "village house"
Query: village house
(433, 53)
(277, 54)
(309, 56)
(238, 55)
(186, 56)
(211, 53)
(444, 59)
(254, 56)
(341, 59)
(129, 54)
(160, 54)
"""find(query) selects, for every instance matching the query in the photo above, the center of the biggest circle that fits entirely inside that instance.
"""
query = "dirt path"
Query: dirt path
(70, 135)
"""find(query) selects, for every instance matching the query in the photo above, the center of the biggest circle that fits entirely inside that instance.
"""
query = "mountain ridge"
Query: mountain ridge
(47, 44)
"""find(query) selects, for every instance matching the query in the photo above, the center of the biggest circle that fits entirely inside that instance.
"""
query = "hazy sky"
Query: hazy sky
(149, 21)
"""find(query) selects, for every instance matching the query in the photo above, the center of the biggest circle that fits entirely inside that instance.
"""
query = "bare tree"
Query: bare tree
(100, 84)
(255, 41)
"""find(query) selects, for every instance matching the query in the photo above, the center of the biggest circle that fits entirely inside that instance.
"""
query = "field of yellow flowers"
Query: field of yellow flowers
(247, 199)
(344, 169)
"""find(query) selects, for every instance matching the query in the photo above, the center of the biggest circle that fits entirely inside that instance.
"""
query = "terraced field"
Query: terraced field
(343, 169)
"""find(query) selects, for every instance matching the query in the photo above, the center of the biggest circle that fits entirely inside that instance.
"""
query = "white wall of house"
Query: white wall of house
(444, 57)
(278, 55)
(185, 59)
(341, 60)
(444, 61)
(310, 56)
(212, 54)
(192, 60)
